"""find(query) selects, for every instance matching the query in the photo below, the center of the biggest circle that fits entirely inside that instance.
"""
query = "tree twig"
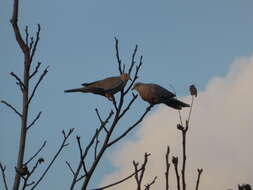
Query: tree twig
(64, 144)
(119, 182)
(3, 168)
(175, 163)
(167, 168)
(133, 59)
(75, 178)
(10, 106)
(117, 55)
(36, 43)
(81, 154)
(40, 149)
(198, 179)
(34, 121)
(147, 187)
(69, 166)
(130, 128)
(20, 83)
(37, 84)
(35, 70)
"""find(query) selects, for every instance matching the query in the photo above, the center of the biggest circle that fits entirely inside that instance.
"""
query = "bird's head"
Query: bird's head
(125, 77)
(136, 86)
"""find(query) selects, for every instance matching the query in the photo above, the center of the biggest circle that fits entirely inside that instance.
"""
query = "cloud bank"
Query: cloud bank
(219, 137)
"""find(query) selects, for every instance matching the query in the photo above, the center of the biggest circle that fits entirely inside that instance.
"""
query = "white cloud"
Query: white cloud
(219, 138)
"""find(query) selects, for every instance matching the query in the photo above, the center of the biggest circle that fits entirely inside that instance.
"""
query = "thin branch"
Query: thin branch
(68, 164)
(81, 154)
(117, 54)
(120, 181)
(75, 178)
(26, 35)
(3, 168)
(35, 70)
(20, 83)
(129, 105)
(101, 121)
(131, 128)
(135, 75)
(34, 121)
(31, 44)
(36, 43)
(64, 144)
(96, 145)
(133, 59)
(37, 84)
(167, 168)
(198, 179)
(175, 163)
(147, 187)
(14, 22)
(40, 149)
(189, 116)
(139, 179)
(10, 106)
(99, 117)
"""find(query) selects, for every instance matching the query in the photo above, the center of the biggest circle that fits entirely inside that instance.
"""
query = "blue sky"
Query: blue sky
(182, 42)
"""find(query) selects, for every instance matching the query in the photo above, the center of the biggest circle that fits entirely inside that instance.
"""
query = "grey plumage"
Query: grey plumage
(155, 94)
(106, 87)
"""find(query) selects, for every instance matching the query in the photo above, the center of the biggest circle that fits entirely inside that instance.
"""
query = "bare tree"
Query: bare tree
(28, 45)
(101, 143)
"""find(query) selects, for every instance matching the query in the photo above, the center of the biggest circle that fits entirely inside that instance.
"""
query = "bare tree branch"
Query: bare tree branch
(63, 145)
(14, 22)
(34, 121)
(133, 60)
(102, 126)
(35, 70)
(37, 84)
(198, 179)
(19, 82)
(139, 178)
(81, 154)
(135, 75)
(36, 43)
(175, 163)
(129, 105)
(96, 145)
(131, 128)
(117, 55)
(167, 168)
(3, 168)
(10, 106)
(68, 164)
(147, 187)
(118, 182)
(40, 149)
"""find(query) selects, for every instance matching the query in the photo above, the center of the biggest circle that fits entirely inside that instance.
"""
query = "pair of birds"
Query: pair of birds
(151, 93)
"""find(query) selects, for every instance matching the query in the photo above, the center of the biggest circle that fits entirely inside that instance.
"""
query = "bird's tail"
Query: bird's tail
(76, 90)
(176, 104)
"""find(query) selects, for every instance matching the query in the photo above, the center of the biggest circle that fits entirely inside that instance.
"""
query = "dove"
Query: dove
(106, 87)
(155, 94)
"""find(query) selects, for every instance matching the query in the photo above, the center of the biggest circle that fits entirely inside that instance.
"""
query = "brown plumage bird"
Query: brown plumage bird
(155, 94)
(106, 87)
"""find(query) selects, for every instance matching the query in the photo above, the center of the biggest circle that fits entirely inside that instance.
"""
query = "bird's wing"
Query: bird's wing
(162, 93)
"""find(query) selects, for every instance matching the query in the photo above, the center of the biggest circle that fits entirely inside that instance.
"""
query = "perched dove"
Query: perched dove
(155, 94)
(106, 87)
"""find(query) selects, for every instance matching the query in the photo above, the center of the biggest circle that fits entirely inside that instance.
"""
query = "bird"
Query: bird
(193, 90)
(155, 94)
(106, 87)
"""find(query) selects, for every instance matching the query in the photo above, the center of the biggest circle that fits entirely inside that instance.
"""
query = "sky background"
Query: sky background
(208, 43)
